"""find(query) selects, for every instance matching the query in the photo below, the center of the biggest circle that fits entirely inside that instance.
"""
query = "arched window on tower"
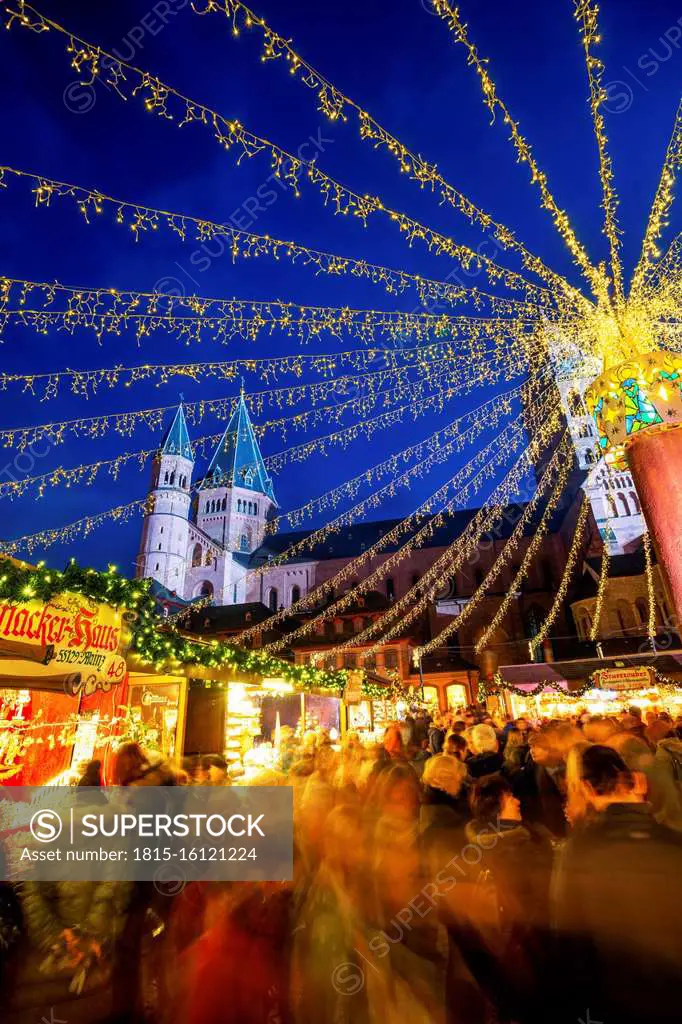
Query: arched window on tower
(172, 478)
(623, 500)
(224, 508)
(613, 511)
(165, 479)
(635, 502)
(196, 556)
(589, 456)
(273, 599)
(295, 594)
(642, 606)
(255, 508)
(625, 616)
(206, 589)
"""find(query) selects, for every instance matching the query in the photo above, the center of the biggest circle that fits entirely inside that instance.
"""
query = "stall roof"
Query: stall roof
(569, 673)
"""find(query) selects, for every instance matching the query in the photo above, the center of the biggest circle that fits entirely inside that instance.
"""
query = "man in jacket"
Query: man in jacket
(617, 904)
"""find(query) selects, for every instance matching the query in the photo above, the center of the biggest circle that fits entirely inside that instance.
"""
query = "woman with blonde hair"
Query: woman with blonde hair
(577, 808)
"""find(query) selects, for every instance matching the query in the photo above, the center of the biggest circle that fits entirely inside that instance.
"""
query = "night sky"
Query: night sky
(400, 63)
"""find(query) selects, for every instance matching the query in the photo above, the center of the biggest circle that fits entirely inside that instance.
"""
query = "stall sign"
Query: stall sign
(623, 678)
(353, 691)
(82, 640)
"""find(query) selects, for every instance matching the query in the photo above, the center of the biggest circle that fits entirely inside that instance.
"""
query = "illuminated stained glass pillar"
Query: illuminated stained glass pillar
(637, 409)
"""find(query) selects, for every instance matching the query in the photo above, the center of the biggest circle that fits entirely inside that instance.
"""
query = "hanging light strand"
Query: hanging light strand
(587, 15)
(435, 449)
(660, 207)
(489, 515)
(601, 591)
(416, 599)
(530, 553)
(162, 100)
(334, 104)
(488, 459)
(78, 530)
(569, 568)
(143, 220)
(442, 378)
(650, 588)
(524, 153)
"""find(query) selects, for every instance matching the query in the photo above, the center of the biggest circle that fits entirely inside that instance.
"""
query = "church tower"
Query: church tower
(235, 496)
(165, 532)
(611, 492)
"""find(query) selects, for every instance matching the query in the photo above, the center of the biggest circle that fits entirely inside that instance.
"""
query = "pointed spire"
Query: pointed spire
(176, 441)
(237, 461)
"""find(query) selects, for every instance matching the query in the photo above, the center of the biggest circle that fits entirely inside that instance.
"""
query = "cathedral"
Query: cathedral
(204, 536)
(199, 538)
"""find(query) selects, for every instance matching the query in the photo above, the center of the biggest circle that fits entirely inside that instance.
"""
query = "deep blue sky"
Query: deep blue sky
(395, 59)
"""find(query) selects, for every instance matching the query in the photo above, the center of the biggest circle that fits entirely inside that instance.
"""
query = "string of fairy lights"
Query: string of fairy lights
(487, 458)
(162, 100)
(587, 15)
(142, 221)
(497, 338)
(335, 104)
(574, 551)
(464, 548)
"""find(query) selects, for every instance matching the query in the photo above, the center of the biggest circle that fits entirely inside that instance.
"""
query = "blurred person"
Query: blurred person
(330, 926)
(662, 770)
(456, 746)
(617, 903)
(436, 735)
(394, 744)
(599, 730)
(459, 727)
(237, 971)
(577, 807)
(444, 802)
(397, 793)
(519, 860)
(132, 767)
(406, 730)
(405, 983)
(540, 784)
(515, 750)
(418, 756)
(217, 771)
(486, 757)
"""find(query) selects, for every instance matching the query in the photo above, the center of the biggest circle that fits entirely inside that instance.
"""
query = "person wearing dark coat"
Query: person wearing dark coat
(540, 785)
(486, 758)
(436, 736)
(518, 861)
(617, 903)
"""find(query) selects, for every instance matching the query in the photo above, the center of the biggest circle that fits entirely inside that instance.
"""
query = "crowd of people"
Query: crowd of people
(464, 870)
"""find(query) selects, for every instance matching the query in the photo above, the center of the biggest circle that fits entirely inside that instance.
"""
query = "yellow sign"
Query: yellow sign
(623, 678)
(74, 636)
(353, 691)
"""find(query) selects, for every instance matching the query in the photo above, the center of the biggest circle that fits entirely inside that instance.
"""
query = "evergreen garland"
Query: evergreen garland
(155, 641)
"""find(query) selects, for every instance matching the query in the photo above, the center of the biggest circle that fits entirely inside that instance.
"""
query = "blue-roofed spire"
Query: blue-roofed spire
(176, 441)
(237, 461)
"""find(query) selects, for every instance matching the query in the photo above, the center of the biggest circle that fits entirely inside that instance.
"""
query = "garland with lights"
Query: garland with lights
(159, 98)
(601, 590)
(660, 207)
(498, 685)
(571, 560)
(507, 442)
(452, 560)
(154, 640)
(142, 220)
(333, 103)
(650, 589)
(587, 15)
